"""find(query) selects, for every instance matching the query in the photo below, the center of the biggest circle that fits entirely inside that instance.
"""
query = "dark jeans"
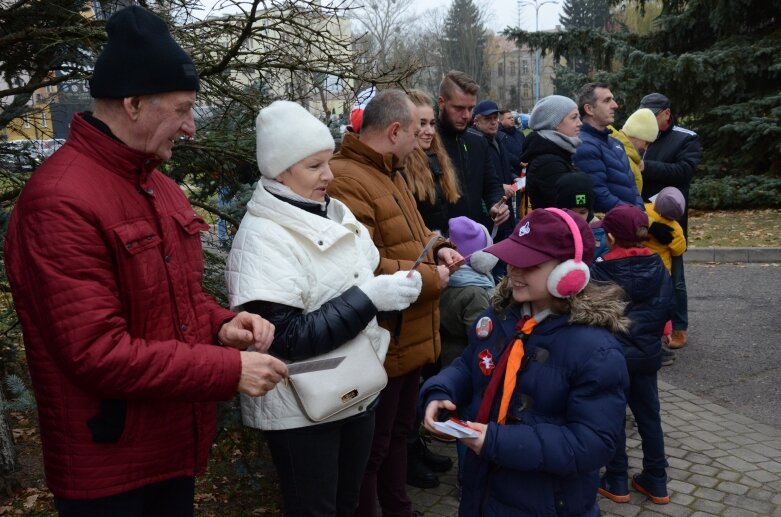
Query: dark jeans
(320, 467)
(681, 314)
(173, 497)
(643, 400)
(385, 479)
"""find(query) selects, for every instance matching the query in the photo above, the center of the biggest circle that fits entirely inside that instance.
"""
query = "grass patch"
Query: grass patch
(735, 229)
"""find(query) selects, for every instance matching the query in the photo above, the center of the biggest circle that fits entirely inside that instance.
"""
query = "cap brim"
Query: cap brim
(656, 110)
(516, 254)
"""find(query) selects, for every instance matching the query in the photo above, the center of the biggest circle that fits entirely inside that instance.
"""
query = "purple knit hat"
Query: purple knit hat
(468, 236)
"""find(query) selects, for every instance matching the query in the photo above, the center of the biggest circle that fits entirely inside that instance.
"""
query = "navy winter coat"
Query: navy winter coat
(512, 139)
(642, 275)
(604, 158)
(562, 425)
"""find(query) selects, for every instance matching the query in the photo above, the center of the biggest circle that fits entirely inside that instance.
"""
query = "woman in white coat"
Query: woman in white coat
(302, 260)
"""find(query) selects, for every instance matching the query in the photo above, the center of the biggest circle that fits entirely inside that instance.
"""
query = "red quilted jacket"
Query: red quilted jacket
(104, 259)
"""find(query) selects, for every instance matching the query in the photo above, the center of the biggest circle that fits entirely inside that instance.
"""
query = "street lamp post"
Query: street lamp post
(536, 4)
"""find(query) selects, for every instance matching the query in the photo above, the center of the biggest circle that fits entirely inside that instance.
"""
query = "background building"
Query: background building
(512, 75)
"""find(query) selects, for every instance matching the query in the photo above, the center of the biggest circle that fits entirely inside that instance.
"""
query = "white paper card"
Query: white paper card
(453, 428)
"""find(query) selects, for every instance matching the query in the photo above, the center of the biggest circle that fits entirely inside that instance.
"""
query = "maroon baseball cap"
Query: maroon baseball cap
(624, 221)
(541, 236)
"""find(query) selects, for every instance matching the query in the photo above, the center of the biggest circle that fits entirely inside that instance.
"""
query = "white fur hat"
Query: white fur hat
(286, 134)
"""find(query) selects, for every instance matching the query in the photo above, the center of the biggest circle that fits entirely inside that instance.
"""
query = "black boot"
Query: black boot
(418, 474)
(435, 462)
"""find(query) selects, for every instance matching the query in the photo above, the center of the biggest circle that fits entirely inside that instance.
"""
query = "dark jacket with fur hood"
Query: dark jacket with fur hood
(646, 282)
(565, 415)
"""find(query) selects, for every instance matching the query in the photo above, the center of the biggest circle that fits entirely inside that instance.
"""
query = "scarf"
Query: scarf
(465, 276)
(506, 372)
(568, 143)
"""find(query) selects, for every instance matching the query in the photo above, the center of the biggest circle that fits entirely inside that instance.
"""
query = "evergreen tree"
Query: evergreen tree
(585, 14)
(719, 61)
(580, 15)
(464, 40)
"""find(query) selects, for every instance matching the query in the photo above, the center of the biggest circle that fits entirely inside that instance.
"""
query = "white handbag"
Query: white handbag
(355, 381)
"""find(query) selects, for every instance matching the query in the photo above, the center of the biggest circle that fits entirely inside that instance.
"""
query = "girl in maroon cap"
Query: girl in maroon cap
(542, 379)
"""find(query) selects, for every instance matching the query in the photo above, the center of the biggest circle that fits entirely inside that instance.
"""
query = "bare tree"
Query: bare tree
(385, 22)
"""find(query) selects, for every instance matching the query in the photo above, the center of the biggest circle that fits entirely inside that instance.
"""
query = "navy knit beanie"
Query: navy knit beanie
(141, 58)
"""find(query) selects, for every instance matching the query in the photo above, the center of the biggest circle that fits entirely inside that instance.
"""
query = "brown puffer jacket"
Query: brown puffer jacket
(377, 194)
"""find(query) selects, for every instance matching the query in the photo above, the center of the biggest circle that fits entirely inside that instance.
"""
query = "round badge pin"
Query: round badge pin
(484, 327)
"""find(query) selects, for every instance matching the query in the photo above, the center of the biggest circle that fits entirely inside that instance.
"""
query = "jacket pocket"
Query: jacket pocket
(109, 424)
(137, 237)
(139, 259)
(190, 221)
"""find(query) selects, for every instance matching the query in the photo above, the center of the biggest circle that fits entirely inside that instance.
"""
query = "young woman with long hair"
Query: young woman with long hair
(430, 174)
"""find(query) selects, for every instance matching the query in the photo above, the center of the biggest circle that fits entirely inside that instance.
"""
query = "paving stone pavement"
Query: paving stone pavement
(721, 463)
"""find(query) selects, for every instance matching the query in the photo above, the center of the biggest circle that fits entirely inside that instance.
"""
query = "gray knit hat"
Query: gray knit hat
(550, 111)
(670, 203)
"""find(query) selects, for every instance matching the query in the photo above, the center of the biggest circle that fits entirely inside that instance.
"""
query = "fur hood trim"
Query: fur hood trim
(600, 304)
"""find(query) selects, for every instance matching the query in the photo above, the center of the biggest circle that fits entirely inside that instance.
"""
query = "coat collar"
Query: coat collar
(629, 147)
(321, 231)
(354, 149)
(112, 154)
(601, 134)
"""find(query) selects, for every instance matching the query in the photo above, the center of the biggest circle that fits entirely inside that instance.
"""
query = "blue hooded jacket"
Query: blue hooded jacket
(647, 283)
(564, 417)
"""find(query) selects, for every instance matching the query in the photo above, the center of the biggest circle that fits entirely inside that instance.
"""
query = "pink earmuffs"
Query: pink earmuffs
(570, 277)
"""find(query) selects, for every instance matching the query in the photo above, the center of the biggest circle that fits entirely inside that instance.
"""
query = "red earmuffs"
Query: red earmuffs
(570, 277)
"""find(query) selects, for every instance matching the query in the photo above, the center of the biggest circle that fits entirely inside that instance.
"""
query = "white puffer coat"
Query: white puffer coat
(285, 255)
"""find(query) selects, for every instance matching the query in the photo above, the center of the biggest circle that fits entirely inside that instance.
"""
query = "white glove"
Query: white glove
(483, 262)
(393, 292)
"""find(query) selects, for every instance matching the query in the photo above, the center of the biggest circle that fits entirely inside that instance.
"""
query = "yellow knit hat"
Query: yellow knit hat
(642, 125)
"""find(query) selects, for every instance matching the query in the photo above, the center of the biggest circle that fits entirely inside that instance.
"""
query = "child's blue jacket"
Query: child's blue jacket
(564, 417)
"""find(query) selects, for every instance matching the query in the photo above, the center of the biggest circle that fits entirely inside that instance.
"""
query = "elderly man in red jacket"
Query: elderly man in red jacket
(127, 354)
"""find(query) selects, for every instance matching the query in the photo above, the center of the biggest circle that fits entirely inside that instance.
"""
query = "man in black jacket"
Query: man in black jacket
(481, 189)
(512, 137)
(486, 125)
(671, 161)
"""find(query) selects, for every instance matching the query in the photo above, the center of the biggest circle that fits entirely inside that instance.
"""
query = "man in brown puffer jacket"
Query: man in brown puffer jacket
(367, 179)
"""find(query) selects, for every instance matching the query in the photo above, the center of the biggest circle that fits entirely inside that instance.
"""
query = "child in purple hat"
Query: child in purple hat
(666, 237)
(642, 275)
(665, 234)
(469, 289)
(468, 292)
